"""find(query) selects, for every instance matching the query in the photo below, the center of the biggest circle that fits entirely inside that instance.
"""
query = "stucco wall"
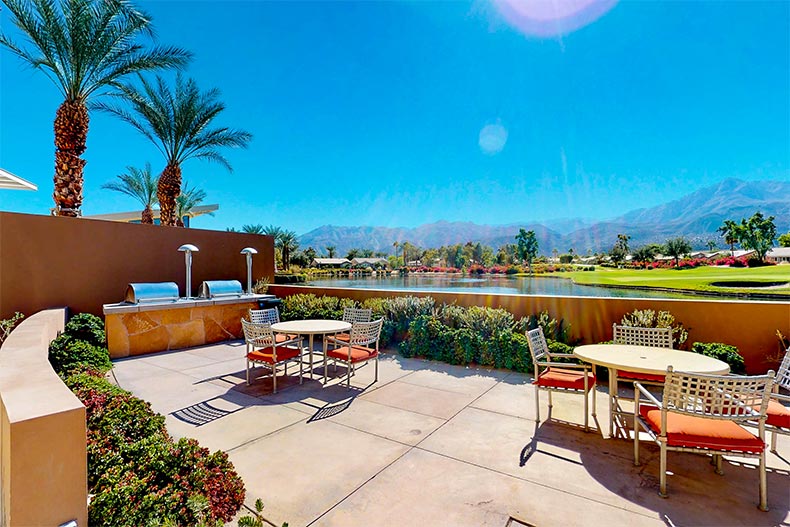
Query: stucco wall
(751, 326)
(43, 463)
(48, 261)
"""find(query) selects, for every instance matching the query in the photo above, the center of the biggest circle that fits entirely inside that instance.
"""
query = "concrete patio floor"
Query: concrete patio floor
(431, 444)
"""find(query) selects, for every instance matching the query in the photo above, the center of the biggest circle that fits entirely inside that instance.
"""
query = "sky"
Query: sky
(399, 114)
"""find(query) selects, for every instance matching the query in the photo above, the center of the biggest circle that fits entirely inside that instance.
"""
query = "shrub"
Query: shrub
(87, 327)
(723, 352)
(302, 307)
(553, 329)
(287, 278)
(158, 478)
(8, 324)
(67, 352)
(647, 318)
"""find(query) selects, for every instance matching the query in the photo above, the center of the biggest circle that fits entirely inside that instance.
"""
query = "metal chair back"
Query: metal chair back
(783, 373)
(538, 347)
(636, 336)
(258, 335)
(265, 316)
(364, 333)
(355, 314)
(731, 397)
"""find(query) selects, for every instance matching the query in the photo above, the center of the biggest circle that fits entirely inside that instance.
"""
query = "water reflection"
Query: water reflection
(545, 286)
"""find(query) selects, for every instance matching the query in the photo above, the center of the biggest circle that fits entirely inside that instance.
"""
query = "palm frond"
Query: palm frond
(136, 183)
(84, 45)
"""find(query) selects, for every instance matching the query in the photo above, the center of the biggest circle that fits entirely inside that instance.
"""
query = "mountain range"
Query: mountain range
(695, 216)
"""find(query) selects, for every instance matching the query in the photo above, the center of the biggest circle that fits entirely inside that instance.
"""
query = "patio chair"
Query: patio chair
(362, 346)
(703, 414)
(637, 336)
(559, 377)
(777, 415)
(351, 315)
(263, 349)
(269, 316)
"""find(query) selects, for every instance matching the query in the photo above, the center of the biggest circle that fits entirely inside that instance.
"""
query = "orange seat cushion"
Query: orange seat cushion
(358, 353)
(699, 432)
(777, 414)
(568, 379)
(628, 375)
(265, 355)
(345, 337)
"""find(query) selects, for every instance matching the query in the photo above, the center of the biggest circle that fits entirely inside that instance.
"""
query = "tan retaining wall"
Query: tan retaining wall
(48, 261)
(751, 326)
(43, 462)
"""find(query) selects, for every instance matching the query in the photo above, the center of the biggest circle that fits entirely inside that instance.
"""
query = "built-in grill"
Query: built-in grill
(220, 288)
(152, 292)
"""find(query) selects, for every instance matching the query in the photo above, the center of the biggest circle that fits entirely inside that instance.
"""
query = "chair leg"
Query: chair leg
(636, 442)
(763, 484)
(301, 370)
(248, 372)
(586, 412)
(537, 404)
(551, 404)
(376, 377)
(773, 441)
(662, 490)
(348, 378)
(717, 460)
(593, 402)
(325, 367)
(274, 377)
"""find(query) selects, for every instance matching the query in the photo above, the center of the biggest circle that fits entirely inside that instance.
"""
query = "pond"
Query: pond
(544, 286)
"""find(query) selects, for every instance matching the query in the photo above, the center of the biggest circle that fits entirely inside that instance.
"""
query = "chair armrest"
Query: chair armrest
(780, 397)
(639, 388)
(563, 355)
(336, 341)
(564, 365)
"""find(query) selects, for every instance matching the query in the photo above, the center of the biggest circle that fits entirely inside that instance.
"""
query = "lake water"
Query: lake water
(545, 286)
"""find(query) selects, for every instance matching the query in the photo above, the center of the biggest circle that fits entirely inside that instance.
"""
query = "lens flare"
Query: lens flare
(492, 138)
(551, 18)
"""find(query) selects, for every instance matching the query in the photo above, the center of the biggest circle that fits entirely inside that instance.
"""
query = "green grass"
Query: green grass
(698, 279)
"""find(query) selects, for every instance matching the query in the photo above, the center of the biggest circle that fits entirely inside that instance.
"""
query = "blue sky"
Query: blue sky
(404, 113)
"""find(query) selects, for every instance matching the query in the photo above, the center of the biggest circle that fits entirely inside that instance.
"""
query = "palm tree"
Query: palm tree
(188, 200)
(252, 229)
(83, 46)
(139, 184)
(177, 123)
(288, 245)
(330, 249)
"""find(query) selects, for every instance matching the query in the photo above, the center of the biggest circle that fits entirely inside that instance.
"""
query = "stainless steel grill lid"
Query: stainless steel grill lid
(215, 288)
(151, 292)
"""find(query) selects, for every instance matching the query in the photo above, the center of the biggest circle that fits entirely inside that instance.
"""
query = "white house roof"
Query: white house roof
(778, 251)
(331, 261)
(371, 261)
(12, 182)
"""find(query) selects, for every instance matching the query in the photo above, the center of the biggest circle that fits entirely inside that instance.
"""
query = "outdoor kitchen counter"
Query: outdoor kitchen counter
(150, 327)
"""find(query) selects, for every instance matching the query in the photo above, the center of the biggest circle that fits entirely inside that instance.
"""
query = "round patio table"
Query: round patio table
(311, 328)
(644, 359)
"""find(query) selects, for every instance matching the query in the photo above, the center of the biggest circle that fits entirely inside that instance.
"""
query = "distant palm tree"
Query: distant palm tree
(139, 184)
(187, 201)
(330, 249)
(253, 229)
(288, 246)
(83, 46)
(177, 123)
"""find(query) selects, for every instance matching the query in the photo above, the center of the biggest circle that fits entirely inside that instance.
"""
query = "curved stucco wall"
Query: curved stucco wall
(43, 458)
(749, 325)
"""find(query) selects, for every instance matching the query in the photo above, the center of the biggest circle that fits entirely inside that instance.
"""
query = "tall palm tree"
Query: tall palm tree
(187, 201)
(330, 249)
(177, 122)
(139, 184)
(83, 46)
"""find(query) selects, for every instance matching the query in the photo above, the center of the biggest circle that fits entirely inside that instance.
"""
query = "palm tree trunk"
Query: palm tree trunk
(147, 217)
(71, 132)
(168, 190)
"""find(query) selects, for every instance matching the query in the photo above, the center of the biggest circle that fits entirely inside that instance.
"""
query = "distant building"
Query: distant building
(370, 262)
(778, 255)
(330, 262)
(134, 216)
